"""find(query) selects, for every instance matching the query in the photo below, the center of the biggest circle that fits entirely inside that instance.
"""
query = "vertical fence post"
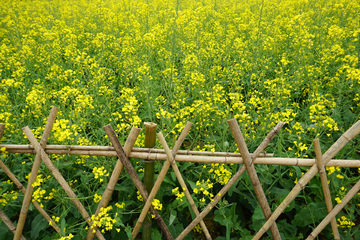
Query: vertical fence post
(150, 140)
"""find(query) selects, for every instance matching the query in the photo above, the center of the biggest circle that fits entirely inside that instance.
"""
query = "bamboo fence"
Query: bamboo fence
(42, 150)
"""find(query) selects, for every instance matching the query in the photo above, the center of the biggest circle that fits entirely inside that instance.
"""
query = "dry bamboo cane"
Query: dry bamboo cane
(35, 203)
(259, 191)
(8, 222)
(114, 177)
(183, 186)
(135, 178)
(67, 149)
(325, 186)
(158, 181)
(335, 211)
(329, 154)
(22, 188)
(2, 128)
(149, 173)
(50, 165)
(201, 159)
(3, 216)
(33, 175)
(305, 162)
(227, 186)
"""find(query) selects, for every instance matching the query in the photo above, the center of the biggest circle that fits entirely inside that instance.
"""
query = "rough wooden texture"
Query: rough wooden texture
(149, 173)
(183, 184)
(160, 178)
(240, 141)
(50, 165)
(2, 128)
(33, 175)
(135, 178)
(224, 190)
(105, 149)
(262, 159)
(329, 154)
(325, 186)
(114, 177)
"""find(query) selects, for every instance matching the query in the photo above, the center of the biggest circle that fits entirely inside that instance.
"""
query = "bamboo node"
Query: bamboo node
(301, 185)
(346, 137)
(251, 162)
(147, 158)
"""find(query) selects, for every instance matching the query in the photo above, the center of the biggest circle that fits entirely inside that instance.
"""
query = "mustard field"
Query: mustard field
(169, 62)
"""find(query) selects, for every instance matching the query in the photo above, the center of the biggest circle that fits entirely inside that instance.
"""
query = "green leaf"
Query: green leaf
(258, 218)
(168, 180)
(313, 212)
(63, 226)
(128, 232)
(5, 233)
(192, 184)
(39, 223)
(173, 215)
(173, 176)
(219, 217)
(121, 187)
(155, 234)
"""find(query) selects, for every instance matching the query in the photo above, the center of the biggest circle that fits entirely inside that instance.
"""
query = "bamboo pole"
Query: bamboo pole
(149, 172)
(325, 186)
(335, 211)
(157, 184)
(259, 191)
(8, 222)
(2, 128)
(50, 165)
(183, 185)
(35, 203)
(131, 171)
(227, 186)
(22, 188)
(161, 176)
(104, 150)
(329, 154)
(3, 216)
(114, 177)
(305, 162)
(33, 175)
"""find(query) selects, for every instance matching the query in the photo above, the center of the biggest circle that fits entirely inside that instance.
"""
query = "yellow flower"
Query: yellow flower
(156, 203)
(339, 176)
(97, 198)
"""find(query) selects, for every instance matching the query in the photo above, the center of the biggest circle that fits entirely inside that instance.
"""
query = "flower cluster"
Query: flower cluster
(179, 196)
(99, 173)
(103, 220)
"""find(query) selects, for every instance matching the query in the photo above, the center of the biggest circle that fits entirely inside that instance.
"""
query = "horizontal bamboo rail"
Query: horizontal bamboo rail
(262, 159)
(104, 150)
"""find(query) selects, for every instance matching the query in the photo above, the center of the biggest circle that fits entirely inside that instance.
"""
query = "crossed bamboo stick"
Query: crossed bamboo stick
(41, 155)
(321, 161)
(249, 162)
(330, 153)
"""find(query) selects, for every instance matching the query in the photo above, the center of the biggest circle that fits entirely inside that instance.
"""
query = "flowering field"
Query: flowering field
(128, 62)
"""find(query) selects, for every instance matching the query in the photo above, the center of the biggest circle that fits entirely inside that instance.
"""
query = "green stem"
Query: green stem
(150, 140)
